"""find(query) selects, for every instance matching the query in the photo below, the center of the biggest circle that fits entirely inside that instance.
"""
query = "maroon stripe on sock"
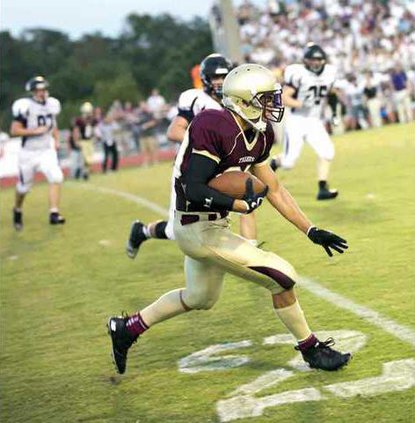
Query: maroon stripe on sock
(308, 343)
(279, 277)
(136, 325)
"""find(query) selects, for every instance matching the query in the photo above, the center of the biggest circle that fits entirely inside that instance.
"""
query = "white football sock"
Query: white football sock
(323, 168)
(294, 320)
(166, 307)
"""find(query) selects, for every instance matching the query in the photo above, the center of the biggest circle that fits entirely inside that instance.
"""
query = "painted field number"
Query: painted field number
(243, 403)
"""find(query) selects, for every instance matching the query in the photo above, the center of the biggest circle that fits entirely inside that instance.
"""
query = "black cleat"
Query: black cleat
(274, 164)
(135, 239)
(121, 341)
(327, 194)
(321, 356)
(17, 219)
(56, 219)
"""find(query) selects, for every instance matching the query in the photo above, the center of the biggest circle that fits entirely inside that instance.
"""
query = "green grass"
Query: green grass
(59, 285)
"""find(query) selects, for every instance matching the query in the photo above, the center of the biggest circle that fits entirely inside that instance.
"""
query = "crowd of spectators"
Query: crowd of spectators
(123, 129)
(372, 44)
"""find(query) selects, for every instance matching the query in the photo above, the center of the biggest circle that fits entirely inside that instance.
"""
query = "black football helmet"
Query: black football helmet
(314, 58)
(37, 83)
(214, 65)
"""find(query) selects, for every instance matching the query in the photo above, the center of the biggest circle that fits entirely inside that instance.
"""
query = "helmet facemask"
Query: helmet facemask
(214, 66)
(264, 106)
(314, 58)
(38, 86)
(252, 92)
(271, 104)
(213, 87)
(315, 64)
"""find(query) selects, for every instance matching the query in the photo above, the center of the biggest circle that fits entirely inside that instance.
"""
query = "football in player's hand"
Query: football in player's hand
(233, 183)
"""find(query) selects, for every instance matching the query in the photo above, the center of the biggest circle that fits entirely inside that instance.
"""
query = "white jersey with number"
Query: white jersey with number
(193, 101)
(311, 89)
(33, 114)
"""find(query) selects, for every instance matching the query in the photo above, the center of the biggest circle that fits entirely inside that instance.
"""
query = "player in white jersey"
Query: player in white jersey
(213, 70)
(306, 89)
(34, 119)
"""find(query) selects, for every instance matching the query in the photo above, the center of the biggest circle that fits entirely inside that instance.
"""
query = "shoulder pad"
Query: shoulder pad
(21, 107)
(295, 68)
(55, 105)
(293, 74)
(188, 97)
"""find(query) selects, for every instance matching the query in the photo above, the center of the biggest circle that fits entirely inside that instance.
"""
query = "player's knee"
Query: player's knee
(328, 157)
(288, 163)
(55, 176)
(282, 272)
(22, 188)
(200, 301)
(288, 166)
(207, 304)
(328, 154)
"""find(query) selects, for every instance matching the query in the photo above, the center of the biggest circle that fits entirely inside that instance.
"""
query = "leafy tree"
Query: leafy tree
(123, 88)
(152, 51)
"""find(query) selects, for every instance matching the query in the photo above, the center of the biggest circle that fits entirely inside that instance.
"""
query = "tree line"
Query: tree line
(152, 51)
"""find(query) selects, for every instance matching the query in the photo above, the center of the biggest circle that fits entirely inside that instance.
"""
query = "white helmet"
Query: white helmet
(253, 93)
(87, 108)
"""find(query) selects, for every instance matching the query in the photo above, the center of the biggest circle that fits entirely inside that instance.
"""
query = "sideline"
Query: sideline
(403, 333)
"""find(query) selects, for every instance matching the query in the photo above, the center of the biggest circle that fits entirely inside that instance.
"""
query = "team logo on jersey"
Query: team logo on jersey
(246, 159)
(208, 202)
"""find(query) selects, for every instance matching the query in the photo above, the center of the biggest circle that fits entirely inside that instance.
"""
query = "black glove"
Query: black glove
(252, 200)
(327, 240)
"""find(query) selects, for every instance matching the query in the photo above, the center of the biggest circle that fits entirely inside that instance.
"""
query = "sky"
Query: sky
(77, 17)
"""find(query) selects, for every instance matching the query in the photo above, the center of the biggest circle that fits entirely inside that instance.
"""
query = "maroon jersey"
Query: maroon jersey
(86, 127)
(217, 135)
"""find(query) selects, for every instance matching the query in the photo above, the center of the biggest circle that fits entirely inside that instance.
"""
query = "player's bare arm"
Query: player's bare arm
(288, 98)
(177, 129)
(17, 129)
(55, 135)
(281, 199)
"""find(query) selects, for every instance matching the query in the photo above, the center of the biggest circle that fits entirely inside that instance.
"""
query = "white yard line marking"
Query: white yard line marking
(128, 196)
(403, 333)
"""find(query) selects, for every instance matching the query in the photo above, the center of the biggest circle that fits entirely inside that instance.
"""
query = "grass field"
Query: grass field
(59, 285)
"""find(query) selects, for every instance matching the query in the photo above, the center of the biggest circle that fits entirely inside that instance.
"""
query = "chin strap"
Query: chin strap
(260, 125)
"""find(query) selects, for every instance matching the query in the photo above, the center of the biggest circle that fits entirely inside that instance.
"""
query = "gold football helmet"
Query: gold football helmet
(87, 108)
(251, 91)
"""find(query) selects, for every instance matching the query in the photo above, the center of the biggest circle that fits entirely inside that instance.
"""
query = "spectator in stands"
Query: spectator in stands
(357, 35)
(83, 135)
(76, 160)
(356, 110)
(156, 103)
(4, 138)
(129, 122)
(148, 141)
(117, 112)
(401, 95)
(106, 135)
(373, 103)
